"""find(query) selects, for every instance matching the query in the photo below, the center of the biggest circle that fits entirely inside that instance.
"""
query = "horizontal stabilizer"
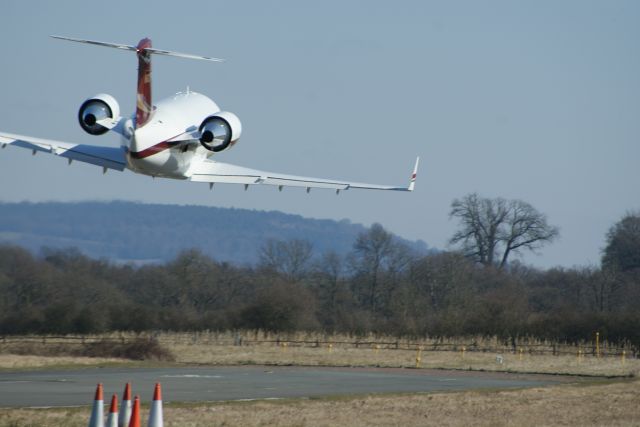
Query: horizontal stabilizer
(183, 55)
(135, 49)
(97, 43)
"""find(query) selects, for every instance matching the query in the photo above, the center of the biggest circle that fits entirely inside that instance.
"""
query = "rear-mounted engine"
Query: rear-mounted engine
(95, 109)
(220, 131)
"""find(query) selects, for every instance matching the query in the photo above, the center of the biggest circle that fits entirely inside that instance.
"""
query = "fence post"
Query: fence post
(598, 344)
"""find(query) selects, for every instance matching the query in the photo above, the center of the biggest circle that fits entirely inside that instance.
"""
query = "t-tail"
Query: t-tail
(144, 50)
(144, 103)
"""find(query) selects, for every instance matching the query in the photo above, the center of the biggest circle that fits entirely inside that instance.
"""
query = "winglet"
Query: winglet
(412, 183)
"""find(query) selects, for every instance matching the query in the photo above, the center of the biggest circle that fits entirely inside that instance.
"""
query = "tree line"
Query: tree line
(381, 286)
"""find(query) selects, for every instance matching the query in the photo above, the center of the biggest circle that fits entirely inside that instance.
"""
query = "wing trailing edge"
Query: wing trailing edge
(106, 157)
(217, 172)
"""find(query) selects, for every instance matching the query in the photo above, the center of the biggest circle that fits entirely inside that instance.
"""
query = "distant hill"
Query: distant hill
(135, 232)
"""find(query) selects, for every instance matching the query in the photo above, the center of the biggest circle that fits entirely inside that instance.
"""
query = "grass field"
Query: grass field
(17, 362)
(591, 404)
(219, 349)
(260, 355)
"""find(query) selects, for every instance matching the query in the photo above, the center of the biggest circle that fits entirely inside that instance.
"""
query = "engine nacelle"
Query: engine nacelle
(94, 109)
(220, 131)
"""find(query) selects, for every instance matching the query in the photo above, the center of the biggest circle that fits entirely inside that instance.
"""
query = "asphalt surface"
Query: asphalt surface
(77, 387)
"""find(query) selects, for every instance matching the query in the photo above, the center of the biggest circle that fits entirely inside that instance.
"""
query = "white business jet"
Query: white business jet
(173, 138)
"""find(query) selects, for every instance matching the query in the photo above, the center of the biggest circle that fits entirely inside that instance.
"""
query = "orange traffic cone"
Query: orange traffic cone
(155, 415)
(135, 413)
(125, 410)
(97, 413)
(112, 421)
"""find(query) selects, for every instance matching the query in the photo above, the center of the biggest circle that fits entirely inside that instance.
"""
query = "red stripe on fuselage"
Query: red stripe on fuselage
(155, 149)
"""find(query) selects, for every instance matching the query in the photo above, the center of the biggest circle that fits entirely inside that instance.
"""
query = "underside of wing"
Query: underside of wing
(216, 172)
(107, 157)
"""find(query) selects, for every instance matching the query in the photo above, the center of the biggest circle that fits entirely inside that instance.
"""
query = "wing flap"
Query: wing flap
(108, 157)
(216, 172)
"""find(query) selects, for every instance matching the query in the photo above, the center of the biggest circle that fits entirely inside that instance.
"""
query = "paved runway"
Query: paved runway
(76, 387)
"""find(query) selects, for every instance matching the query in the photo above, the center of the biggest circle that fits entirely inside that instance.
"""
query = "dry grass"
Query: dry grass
(601, 404)
(13, 361)
(480, 353)
(309, 356)
(300, 349)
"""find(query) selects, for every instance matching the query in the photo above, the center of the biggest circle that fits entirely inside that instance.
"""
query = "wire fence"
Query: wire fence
(521, 345)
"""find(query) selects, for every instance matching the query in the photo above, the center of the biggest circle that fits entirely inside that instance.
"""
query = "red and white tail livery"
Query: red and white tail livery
(177, 137)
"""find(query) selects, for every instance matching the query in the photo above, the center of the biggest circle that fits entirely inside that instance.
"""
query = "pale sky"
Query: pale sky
(531, 100)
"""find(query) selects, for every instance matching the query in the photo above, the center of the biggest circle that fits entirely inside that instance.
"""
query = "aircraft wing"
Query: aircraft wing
(107, 157)
(212, 172)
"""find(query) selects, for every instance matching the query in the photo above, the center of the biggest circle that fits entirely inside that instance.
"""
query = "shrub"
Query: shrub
(138, 349)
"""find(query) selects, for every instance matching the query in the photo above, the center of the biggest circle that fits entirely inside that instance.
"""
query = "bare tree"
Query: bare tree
(329, 272)
(439, 277)
(291, 258)
(525, 228)
(371, 249)
(481, 220)
(376, 259)
(492, 229)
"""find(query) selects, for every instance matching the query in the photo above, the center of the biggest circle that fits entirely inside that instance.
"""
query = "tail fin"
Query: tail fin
(144, 105)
